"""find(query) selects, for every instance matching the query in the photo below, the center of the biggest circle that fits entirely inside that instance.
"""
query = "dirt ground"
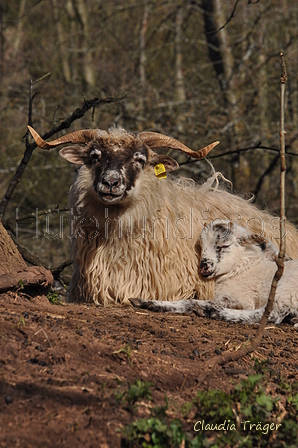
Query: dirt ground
(61, 366)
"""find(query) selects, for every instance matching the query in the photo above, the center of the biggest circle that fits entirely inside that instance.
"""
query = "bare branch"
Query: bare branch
(47, 211)
(245, 350)
(228, 20)
(56, 271)
(41, 79)
(239, 151)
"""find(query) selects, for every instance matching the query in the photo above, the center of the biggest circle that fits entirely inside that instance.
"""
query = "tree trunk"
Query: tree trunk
(20, 25)
(180, 95)
(61, 39)
(15, 274)
(86, 39)
(180, 90)
(10, 259)
(143, 57)
(220, 53)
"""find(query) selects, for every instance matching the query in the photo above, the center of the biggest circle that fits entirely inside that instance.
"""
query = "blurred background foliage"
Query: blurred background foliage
(198, 71)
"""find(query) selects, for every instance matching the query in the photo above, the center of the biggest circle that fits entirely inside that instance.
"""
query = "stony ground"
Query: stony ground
(62, 366)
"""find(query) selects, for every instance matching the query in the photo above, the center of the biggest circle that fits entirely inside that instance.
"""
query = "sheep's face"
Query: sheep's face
(115, 161)
(115, 170)
(224, 247)
(216, 242)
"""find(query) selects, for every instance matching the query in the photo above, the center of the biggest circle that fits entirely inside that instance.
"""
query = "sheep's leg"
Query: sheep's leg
(200, 307)
(233, 315)
(213, 309)
(181, 306)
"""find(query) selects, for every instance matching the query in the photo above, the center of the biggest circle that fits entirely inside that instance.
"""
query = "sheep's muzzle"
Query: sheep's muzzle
(206, 268)
(111, 188)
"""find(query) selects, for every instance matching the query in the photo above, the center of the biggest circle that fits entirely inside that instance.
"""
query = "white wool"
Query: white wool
(242, 266)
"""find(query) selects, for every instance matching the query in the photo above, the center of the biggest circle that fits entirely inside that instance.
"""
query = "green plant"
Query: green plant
(137, 391)
(21, 321)
(126, 349)
(54, 298)
(153, 432)
(246, 417)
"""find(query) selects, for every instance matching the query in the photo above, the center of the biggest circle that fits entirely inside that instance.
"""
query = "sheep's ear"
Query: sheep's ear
(268, 248)
(74, 154)
(224, 228)
(169, 163)
(257, 240)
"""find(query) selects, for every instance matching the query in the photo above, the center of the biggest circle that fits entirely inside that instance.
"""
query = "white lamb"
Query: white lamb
(243, 266)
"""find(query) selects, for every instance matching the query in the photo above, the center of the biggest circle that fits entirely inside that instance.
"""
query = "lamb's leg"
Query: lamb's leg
(213, 309)
(233, 315)
(202, 308)
(181, 306)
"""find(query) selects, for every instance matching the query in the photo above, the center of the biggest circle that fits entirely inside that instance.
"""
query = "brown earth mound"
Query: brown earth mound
(61, 366)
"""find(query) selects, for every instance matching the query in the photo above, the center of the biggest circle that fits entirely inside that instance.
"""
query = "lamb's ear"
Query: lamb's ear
(75, 154)
(169, 163)
(224, 228)
(256, 240)
(268, 248)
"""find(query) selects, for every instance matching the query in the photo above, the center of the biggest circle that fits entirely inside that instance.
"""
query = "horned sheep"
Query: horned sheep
(133, 227)
(243, 265)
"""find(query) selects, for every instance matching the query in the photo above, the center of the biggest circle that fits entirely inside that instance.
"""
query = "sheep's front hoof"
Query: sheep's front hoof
(199, 312)
(151, 305)
(137, 303)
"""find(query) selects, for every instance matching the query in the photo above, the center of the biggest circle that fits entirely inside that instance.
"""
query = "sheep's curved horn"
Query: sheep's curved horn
(83, 136)
(155, 140)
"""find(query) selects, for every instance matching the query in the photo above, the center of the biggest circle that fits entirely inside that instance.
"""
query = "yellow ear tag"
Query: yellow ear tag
(160, 171)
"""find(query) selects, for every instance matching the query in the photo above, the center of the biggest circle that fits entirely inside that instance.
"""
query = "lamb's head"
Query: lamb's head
(215, 244)
(117, 158)
(225, 247)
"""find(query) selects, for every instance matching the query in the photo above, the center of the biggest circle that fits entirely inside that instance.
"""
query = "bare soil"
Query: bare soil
(61, 366)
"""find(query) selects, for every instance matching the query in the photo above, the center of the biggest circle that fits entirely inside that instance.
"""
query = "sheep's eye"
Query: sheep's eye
(223, 247)
(95, 155)
(139, 158)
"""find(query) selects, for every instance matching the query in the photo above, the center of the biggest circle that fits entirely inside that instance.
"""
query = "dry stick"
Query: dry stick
(229, 19)
(240, 151)
(37, 214)
(245, 350)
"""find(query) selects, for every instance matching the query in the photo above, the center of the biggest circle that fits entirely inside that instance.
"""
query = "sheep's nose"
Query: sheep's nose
(112, 179)
(204, 263)
(206, 267)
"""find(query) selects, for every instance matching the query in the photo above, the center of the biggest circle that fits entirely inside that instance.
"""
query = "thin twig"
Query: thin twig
(39, 213)
(56, 271)
(41, 79)
(228, 20)
(245, 350)
(239, 151)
